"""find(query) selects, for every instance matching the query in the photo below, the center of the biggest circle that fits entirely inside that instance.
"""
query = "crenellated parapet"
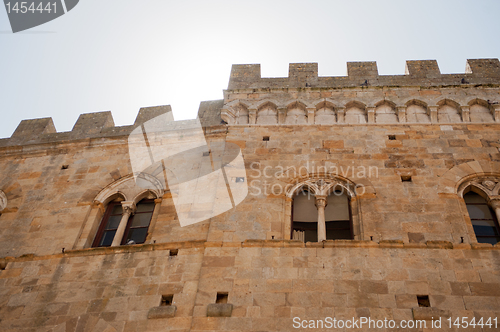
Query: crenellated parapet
(101, 125)
(417, 72)
(422, 95)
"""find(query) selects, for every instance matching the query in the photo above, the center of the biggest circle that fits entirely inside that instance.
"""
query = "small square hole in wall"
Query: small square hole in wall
(240, 179)
(405, 178)
(423, 301)
(167, 300)
(392, 137)
(64, 166)
(206, 154)
(221, 298)
(174, 252)
(265, 138)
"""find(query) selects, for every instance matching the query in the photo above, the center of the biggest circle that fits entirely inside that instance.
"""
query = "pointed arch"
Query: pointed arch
(448, 111)
(355, 112)
(385, 112)
(267, 113)
(417, 111)
(296, 113)
(325, 113)
(480, 111)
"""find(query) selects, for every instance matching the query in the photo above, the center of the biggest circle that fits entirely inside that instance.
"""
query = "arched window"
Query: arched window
(304, 217)
(124, 223)
(321, 217)
(338, 216)
(483, 218)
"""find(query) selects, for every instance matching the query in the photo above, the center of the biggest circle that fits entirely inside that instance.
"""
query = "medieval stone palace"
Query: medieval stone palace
(364, 202)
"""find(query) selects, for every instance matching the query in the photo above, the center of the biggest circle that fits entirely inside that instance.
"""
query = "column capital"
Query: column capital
(495, 203)
(320, 200)
(158, 200)
(128, 207)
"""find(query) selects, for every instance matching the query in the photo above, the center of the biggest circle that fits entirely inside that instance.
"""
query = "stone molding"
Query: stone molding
(230, 114)
(456, 179)
(328, 245)
(127, 188)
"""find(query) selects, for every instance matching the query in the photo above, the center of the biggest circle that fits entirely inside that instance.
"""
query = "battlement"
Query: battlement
(100, 125)
(417, 72)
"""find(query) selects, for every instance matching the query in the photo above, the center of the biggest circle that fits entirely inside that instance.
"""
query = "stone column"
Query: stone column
(371, 114)
(321, 204)
(281, 115)
(495, 204)
(433, 113)
(310, 115)
(128, 209)
(401, 114)
(465, 110)
(252, 115)
(340, 114)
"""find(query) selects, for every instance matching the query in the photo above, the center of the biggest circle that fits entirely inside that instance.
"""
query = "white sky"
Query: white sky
(120, 55)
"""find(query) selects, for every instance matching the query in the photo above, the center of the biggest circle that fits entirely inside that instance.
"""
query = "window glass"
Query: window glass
(107, 238)
(483, 219)
(117, 209)
(113, 222)
(141, 219)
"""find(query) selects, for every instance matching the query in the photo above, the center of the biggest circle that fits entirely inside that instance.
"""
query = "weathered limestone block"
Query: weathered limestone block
(219, 310)
(166, 311)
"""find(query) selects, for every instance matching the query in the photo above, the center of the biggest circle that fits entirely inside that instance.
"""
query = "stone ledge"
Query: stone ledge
(167, 311)
(439, 245)
(328, 244)
(391, 244)
(219, 310)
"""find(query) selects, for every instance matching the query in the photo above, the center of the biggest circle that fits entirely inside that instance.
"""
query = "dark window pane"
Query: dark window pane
(141, 219)
(344, 224)
(107, 238)
(479, 212)
(492, 240)
(472, 197)
(113, 222)
(338, 234)
(138, 235)
(145, 207)
(311, 236)
(117, 209)
(485, 230)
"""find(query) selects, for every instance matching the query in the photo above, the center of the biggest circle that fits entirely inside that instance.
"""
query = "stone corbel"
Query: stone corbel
(228, 116)
(281, 115)
(371, 114)
(433, 113)
(340, 114)
(3, 201)
(310, 115)
(252, 115)
(465, 111)
(401, 114)
(496, 112)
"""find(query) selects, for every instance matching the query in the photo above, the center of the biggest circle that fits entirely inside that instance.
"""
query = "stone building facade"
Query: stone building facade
(369, 196)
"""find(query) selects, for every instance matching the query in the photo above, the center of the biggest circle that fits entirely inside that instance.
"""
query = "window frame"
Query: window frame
(493, 215)
(292, 222)
(131, 219)
(108, 213)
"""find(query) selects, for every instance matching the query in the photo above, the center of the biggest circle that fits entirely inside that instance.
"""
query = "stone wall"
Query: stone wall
(404, 146)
